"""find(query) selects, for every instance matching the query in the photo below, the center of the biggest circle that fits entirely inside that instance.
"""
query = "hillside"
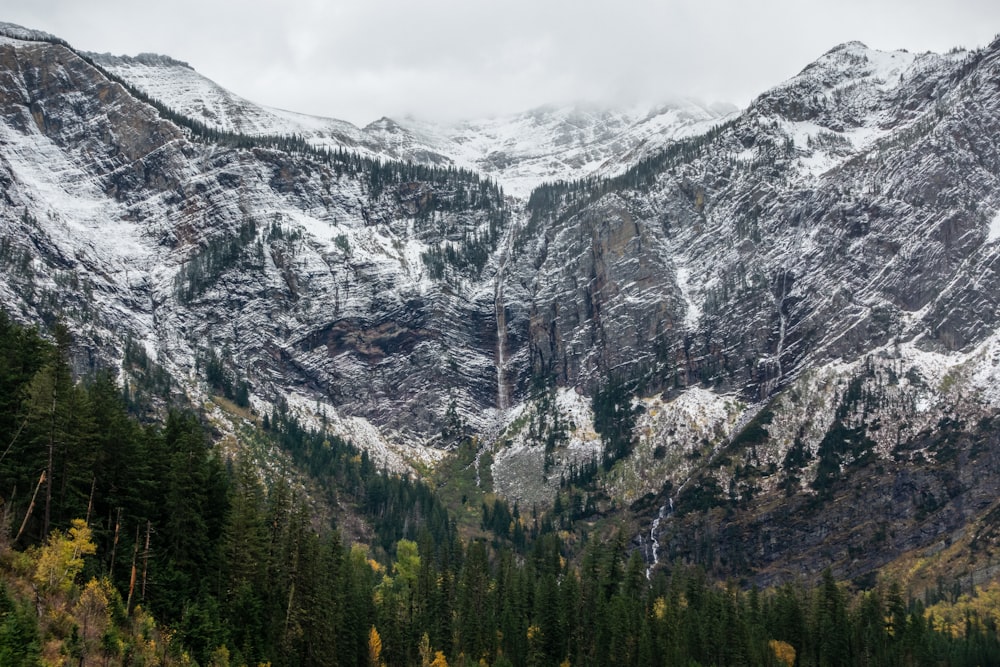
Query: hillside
(767, 347)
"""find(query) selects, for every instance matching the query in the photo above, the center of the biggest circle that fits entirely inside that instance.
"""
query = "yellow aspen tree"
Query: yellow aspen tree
(220, 657)
(374, 648)
(783, 651)
(92, 612)
(426, 654)
(61, 559)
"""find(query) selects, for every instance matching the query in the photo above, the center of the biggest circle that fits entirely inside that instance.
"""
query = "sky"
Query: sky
(359, 60)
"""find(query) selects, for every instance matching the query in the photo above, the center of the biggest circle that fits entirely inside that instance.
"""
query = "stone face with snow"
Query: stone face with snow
(520, 151)
(818, 269)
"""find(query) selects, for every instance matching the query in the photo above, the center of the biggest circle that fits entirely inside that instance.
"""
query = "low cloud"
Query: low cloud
(362, 59)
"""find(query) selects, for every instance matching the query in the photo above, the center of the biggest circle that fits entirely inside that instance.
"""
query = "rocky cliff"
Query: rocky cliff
(789, 310)
(824, 264)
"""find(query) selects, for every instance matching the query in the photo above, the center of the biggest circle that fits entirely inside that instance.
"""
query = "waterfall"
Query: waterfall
(501, 319)
(493, 431)
(500, 313)
(666, 509)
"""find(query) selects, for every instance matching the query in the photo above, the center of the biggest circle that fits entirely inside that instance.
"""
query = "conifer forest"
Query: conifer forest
(127, 539)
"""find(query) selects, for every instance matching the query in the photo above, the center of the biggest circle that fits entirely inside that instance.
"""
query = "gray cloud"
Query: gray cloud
(361, 59)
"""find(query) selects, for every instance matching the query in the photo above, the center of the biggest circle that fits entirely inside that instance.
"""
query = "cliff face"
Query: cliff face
(306, 274)
(799, 302)
(842, 228)
(839, 211)
(826, 264)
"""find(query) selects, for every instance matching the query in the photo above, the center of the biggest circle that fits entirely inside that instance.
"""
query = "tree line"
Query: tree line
(130, 543)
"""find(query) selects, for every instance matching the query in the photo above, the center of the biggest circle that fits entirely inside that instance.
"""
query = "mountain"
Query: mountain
(824, 265)
(522, 151)
(519, 151)
(765, 340)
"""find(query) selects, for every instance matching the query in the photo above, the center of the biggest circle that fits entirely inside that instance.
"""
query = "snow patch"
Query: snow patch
(994, 232)
(692, 314)
(393, 455)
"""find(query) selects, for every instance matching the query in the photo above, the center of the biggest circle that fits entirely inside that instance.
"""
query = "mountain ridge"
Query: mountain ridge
(533, 145)
(754, 316)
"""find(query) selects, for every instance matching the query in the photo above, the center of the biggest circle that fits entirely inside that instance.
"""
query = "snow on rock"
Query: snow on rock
(519, 458)
(692, 311)
(393, 456)
(187, 92)
(994, 230)
(13, 31)
(672, 435)
(520, 151)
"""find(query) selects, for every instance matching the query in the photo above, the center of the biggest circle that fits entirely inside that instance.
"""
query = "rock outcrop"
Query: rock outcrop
(801, 299)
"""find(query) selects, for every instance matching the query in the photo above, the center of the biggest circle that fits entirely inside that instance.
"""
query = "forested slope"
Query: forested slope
(139, 545)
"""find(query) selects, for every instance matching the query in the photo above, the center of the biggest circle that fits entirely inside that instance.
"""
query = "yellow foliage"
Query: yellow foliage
(53, 654)
(92, 611)
(783, 651)
(220, 657)
(439, 660)
(61, 559)
(660, 608)
(374, 648)
(425, 651)
(951, 618)
(533, 631)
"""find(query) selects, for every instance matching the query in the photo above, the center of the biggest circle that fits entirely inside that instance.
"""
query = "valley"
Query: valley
(761, 342)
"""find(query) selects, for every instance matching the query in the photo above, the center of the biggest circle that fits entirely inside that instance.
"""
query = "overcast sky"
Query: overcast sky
(445, 59)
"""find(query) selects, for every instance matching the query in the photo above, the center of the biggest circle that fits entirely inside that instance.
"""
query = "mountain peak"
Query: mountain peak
(853, 45)
(383, 124)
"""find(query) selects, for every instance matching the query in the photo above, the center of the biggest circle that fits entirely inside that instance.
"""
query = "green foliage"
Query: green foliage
(19, 640)
(754, 433)
(397, 506)
(218, 255)
(149, 378)
(464, 252)
(582, 475)
(701, 495)
(614, 419)
(795, 459)
(223, 380)
(238, 572)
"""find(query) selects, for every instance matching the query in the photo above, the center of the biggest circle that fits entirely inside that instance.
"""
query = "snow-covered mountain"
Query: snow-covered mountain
(519, 151)
(524, 150)
(791, 309)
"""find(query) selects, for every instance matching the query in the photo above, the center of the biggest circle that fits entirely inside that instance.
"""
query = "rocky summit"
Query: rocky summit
(773, 330)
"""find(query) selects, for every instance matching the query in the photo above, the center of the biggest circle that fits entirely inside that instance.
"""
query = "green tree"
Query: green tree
(19, 639)
(831, 626)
